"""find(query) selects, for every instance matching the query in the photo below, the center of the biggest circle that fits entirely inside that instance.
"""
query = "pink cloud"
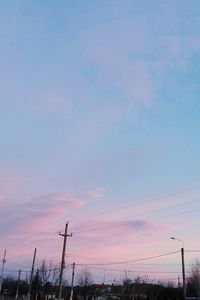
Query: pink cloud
(115, 227)
(117, 238)
(39, 218)
(36, 225)
(3, 197)
(96, 194)
(46, 210)
(11, 183)
(105, 241)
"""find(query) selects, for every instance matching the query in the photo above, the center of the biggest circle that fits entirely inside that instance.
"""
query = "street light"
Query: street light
(173, 238)
(183, 266)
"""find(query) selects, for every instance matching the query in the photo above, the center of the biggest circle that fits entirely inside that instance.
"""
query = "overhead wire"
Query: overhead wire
(32, 243)
(132, 205)
(139, 203)
(192, 250)
(135, 216)
(133, 271)
(128, 261)
(36, 242)
(16, 264)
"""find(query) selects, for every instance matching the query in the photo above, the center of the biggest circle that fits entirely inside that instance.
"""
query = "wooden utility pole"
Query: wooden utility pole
(32, 271)
(18, 282)
(183, 273)
(2, 269)
(65, 235)
(72, 284)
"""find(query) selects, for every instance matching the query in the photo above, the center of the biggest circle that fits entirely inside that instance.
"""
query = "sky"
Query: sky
(99, 123)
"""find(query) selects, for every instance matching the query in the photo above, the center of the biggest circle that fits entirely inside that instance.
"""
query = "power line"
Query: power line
(122, 208)
(7, 271)
(36, 242)
(17, 264)
(141, 202)
(135, 271)
(142, 214)
(178, 214)
(129, 261)
(138, 264)
(92, 265)
(192, 250)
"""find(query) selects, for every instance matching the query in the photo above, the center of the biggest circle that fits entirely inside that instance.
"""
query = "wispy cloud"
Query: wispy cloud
(39, 214)
(105, 228)
(10, 184)
(96, 194)
(118, 240)
(115, 63)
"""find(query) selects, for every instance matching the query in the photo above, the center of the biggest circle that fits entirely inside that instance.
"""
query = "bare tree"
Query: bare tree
(127, 280)
(46, 277)
(48, 272)
(84, 278)
(193, 282)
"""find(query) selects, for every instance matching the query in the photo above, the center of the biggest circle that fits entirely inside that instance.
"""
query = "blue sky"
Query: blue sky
(99, 110)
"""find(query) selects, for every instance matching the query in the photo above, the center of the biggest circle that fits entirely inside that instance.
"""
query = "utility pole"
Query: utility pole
(65, 235)
(183, 266)
(18, 282)
(2, 269)
(183, 273)
(32, 271)
(179, 284)
(72, 284)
